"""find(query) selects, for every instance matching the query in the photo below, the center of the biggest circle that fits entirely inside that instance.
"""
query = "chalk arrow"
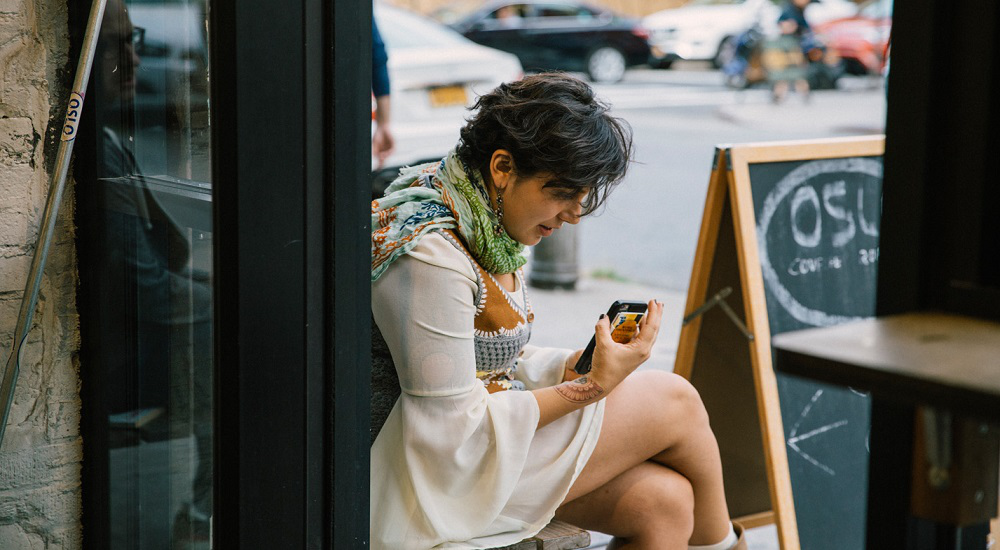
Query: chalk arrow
(794, 437)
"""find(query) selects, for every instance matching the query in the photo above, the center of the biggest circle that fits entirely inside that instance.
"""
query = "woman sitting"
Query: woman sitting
(491, 437)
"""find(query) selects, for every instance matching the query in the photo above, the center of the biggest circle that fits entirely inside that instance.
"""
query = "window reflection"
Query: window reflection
(154, 270)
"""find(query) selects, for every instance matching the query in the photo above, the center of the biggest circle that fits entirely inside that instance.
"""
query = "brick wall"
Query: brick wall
(41, 454)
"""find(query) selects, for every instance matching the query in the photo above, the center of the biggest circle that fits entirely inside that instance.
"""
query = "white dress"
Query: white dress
(455, 466)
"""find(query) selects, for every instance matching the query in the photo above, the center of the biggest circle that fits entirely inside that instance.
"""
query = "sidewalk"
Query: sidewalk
(826, 111)
(566, 319)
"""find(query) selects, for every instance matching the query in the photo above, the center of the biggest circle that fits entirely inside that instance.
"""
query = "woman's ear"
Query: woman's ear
(502, 168)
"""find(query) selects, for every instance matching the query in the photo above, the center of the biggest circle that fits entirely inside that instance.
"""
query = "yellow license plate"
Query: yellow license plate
(447, 96)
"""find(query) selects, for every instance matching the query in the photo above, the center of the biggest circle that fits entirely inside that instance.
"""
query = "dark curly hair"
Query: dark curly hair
(550, 123)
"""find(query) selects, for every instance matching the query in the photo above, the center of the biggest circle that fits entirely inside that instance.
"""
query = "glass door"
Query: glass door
(145, 245)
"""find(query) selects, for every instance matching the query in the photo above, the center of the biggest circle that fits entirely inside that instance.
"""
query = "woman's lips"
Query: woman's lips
(546, 230)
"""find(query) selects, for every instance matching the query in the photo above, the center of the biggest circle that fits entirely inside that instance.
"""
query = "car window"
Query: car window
(402, 30)
(511, 10)
(563, 10)
(456, 11)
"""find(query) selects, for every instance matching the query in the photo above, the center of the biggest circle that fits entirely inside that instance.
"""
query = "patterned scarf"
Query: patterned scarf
(434, 196)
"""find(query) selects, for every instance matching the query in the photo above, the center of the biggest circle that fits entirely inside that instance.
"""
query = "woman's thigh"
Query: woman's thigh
(647, 413)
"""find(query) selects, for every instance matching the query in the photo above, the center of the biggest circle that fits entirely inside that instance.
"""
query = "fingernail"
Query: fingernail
(603, 316)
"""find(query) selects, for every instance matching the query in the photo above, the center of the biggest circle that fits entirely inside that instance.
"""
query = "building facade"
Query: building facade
(180, 383)
(42, 452)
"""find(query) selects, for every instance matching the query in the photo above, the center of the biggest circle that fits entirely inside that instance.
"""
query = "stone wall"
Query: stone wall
(41, 454)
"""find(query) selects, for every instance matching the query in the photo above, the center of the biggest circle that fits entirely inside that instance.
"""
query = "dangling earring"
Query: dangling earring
(498, 229)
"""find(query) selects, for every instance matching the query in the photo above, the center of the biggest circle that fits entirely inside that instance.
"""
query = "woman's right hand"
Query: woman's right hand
(612, 362)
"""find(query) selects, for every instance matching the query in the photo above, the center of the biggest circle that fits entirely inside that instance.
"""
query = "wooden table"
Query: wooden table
(947, 367)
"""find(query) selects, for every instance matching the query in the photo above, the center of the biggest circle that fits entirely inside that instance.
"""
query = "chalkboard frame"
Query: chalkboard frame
(730, 196)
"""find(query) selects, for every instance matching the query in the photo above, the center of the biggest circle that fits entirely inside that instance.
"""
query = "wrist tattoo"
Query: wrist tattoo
(581, 390)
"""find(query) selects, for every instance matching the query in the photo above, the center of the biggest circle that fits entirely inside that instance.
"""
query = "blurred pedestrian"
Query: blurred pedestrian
(783, 59)
(382, 140)
(795, 10)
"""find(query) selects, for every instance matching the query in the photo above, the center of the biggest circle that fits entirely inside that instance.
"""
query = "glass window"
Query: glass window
(511, 10)
(146, 271)
(454, 12)
(563, 10)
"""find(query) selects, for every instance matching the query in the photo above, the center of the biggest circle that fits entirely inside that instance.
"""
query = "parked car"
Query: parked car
(553, 34)
(861, 41)
(706, 30)
(435, 74)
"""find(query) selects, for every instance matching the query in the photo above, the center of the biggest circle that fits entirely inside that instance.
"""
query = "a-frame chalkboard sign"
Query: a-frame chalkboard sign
(789, 240)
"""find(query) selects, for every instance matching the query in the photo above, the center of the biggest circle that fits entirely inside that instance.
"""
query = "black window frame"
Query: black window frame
(300, 72)
(290, 96)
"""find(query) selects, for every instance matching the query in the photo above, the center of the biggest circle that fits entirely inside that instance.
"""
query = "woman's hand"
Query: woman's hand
(612, 361)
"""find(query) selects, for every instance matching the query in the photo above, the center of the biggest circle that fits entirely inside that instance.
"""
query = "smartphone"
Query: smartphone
(625, 317)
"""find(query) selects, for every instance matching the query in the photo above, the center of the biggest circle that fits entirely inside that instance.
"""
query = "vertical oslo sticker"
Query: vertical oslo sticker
(72, 116)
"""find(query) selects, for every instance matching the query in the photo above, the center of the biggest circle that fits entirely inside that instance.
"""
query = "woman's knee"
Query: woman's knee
(678, 396)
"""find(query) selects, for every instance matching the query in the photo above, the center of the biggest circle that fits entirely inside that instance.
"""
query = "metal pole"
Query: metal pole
(554, 260)
(46, 228)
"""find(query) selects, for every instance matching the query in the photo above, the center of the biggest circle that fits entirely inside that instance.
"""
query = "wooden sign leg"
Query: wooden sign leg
(766, 384)
(713, 355)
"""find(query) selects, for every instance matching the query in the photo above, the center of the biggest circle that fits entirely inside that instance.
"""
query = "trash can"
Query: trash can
(553, 261)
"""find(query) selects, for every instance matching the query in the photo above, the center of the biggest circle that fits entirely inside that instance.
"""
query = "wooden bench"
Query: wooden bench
(557, 535)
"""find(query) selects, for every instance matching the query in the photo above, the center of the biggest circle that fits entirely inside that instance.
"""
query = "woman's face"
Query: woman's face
(531, 210)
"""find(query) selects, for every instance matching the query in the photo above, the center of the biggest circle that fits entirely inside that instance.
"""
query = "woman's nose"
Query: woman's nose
(572, 215)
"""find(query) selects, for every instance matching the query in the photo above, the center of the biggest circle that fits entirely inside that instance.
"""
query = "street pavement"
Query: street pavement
(648, 229)
(679, 115)
(829, 113)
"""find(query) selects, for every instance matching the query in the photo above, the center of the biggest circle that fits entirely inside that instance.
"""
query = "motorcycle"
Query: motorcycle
(745, 68)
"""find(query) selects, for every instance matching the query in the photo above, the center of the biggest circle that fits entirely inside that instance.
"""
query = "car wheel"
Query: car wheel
(662, 63)
(737, 81)
(606, 64)
(725, 53)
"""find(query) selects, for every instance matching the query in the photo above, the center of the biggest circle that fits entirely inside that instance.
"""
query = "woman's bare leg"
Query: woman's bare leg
(659, 416)
(646, 506)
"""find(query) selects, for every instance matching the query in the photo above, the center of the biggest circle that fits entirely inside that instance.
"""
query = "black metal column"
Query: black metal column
(351, 331)
(272, 144)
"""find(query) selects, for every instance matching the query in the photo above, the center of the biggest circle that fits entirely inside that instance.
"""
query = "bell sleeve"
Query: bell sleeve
(541, 367)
